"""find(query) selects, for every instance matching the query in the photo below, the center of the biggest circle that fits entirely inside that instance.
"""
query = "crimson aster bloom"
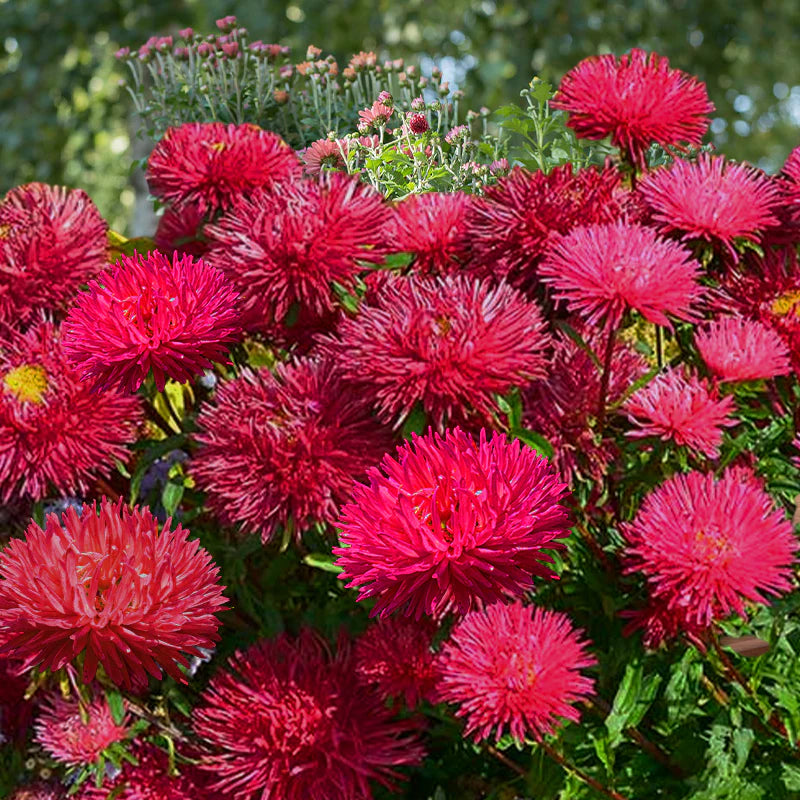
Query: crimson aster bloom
(739, 349)
(292, 458)
(76, 733)
(180, 229)
(706, 546)
(108, 584)
(682, 408)
(431, 226)
(509, 229)
(787, 184)
(291, 720)
(446, 344)
(40, 791)
(514, 667)
(451, 524)
(55, 434)
(174, 318)
(287, 249)
(660, 624)
(636, 100)
(15, 711)
(712, 199)
(210, 164)
(396, 656)
(52, 239)
(602, 271)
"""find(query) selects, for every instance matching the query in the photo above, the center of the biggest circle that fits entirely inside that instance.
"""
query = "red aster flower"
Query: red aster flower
(418, 123)
(110, 586)
(562, 406)
(292, 458)
(683, 408)
(509, 229)
(289, 721)
(738, 349)
(449, 525)
(174, 318)
(661, 624)
(605, 270)
(52, 240)
(181, 229)
(55, 435)
(324, 153)
(637, 101)
(448, 345)
(15, 711)
(396, 656)
(788, 208)
(39, 791)
(76, 733)
(515, 667)
(711, 199)
(210, 164)
(431, 226)
(708, 546)
(286, 249)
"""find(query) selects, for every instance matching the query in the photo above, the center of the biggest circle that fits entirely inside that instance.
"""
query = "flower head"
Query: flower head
(324, 153)
(288, 720)
(289, 248)
(711, 199)
(39, 791)
(636, 100)
(708, 546)
(683, 408)
(210, 164)
(55, 435)
(15, 710)
(448, 345)
(108, 584)
(181, 229)
(509, 229)
(172, 317)
(739, 349)
(293, 456)
(602, 271)
(376, 115)
(396, 656)
(52, 240)
(76, 733)
(451, 524)
(514, 667)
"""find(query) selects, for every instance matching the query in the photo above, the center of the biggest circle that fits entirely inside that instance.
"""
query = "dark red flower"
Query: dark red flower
(210, 165)
(285, 449)
(509, 229)
(15, 711)
(107, 584)
(636, 100)
(55, 435)
(787, 184)
(291, 720)
(174, 318)
(658, 624)
(450, 525)
(181, 229)
(447, 345)
(288, 248)
(39, 791)
(52, 240)
(514, 667)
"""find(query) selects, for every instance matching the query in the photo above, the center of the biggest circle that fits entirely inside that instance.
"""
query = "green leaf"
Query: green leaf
(171, 497)
(790, 775)
(579, 340)
(534, 440)
(116, 706)
(634, 696)
(415, 422)
(323, 561)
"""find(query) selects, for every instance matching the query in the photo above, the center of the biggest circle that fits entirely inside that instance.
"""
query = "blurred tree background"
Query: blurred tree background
(65, 119)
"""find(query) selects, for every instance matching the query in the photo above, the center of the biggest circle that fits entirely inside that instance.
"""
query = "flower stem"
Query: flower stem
(605, 377)
(587, 779)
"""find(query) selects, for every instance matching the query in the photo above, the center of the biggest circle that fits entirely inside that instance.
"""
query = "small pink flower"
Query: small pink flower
(375, 116)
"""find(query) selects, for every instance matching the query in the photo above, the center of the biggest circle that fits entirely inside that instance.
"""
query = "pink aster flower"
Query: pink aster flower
(449, 525)
(602, 271)
(40, 790)
(788, 208)
(707, 546)
(739, 349)
(431, 226)
(55, 434)
(149, 314)
(448, 345)
(293, 457)
(210, 164)
(287, 249)
(107, 584)
(52, 240)
(516, 668)
(75, 733)
(682, 408)
(376, 115)
(711, 199)
(291, 720)
(509, 229)
(396, 656)
(324, 153)
(181, 229)
(636, 100)
(659, 624)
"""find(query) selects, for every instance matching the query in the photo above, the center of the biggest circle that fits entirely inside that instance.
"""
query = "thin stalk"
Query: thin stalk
(578, 773)
(605, 377)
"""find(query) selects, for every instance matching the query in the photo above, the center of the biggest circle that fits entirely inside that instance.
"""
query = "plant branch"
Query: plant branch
(605, 377)
(587, 779)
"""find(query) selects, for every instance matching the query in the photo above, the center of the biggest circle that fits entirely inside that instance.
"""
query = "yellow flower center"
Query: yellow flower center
(709, 545)
(217, 147)
(28, 383)
(786, 304)
(4, 231)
